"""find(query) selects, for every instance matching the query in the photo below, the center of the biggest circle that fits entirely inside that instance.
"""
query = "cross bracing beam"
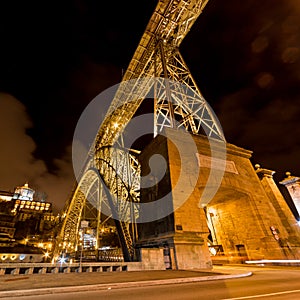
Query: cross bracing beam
(189, 108)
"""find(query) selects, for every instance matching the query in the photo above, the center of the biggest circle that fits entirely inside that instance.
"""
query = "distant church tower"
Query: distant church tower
(24, 193)
(292, 184)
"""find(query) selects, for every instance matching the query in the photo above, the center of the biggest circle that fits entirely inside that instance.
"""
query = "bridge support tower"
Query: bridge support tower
(240, 217)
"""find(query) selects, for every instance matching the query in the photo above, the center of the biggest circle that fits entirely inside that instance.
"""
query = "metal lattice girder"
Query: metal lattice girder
(117, 173)
(120, 172)
(189, 108)
(170, 22)
(68, 238)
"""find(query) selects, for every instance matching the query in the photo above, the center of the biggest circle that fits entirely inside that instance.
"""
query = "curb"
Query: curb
(105, 286)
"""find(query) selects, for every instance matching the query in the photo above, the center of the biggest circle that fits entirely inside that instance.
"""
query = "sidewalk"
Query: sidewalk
(39, 284)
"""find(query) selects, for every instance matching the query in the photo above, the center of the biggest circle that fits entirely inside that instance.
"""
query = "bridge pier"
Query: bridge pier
(152, 258)
(241, 212)
(183, 231)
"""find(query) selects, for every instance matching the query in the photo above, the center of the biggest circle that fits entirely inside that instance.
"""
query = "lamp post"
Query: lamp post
(84, 225)
(80, 259)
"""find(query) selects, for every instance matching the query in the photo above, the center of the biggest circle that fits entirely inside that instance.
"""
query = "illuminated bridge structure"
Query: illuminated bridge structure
(111, 176)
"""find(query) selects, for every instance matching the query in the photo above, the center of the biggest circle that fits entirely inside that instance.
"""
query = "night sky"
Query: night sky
(56, 56)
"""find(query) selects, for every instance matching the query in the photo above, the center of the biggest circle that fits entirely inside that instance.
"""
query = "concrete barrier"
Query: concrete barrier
(43, 268)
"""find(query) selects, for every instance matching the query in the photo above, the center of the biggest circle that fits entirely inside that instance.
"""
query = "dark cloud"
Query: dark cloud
(246, 60)
(269, 131)
(17, 162)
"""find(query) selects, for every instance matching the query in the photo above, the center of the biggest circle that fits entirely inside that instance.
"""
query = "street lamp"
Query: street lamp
(46, 256)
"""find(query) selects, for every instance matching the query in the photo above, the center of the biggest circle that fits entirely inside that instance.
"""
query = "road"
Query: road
(263, 284)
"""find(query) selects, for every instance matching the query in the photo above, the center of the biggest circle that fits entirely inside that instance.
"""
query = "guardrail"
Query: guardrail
(44, 268)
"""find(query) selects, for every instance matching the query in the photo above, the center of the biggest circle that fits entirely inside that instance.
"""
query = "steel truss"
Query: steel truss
(120, 172)
(77, 210)
(158, 66)
(178, 101)
(169, 24)
(109, 187)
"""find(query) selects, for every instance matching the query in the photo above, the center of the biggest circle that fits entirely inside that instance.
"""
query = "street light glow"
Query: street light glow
(62, 259)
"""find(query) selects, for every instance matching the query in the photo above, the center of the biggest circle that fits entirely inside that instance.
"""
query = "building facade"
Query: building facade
(26, 225)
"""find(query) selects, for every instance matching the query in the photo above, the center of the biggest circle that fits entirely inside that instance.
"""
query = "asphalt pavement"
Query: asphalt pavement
(39, 284)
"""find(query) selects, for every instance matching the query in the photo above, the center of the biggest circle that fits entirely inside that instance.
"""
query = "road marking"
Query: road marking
(264, 295)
